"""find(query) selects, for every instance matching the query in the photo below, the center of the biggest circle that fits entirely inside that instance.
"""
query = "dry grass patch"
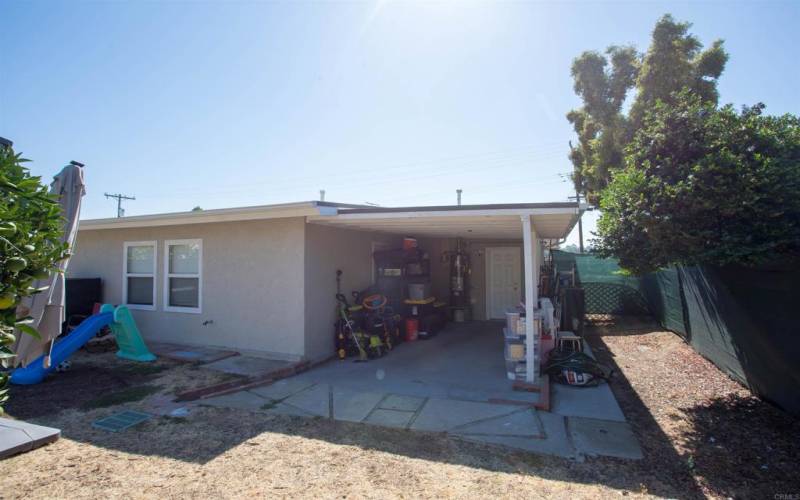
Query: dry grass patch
(675, 400)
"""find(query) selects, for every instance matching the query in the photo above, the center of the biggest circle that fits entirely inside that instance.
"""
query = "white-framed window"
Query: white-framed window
(183, 276)
(139, 275)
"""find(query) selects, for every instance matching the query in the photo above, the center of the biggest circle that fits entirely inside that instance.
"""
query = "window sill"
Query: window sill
(186, 310)
(140, 307)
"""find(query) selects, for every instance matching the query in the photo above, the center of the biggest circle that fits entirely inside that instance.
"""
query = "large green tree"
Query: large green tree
(601, 127)
(674, 61)
(31, 228)
(703, 185)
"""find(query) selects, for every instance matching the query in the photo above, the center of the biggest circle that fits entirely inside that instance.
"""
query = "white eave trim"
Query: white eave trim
(448, 213)
(303, 209)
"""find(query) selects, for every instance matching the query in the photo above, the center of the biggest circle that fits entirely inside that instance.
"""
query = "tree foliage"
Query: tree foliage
(704, 185)
(674, 61)
(31, 228)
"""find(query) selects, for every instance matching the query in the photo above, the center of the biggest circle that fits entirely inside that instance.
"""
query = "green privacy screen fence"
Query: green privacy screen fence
(607, 291)
(742, 319)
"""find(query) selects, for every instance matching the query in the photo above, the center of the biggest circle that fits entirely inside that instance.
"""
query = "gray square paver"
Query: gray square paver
(602, 437)
(13, 441)
(443, 414)
(284, 409)
(314, 400)
(354, 406)
(590, 402)
(521, 423)
(282, 388)
(390, 418)
(405, 403)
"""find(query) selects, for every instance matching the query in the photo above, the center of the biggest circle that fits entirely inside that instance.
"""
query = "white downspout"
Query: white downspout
(530, 241)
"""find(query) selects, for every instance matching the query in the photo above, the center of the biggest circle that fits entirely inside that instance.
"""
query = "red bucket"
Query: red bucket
(412, 329)
(409, 243)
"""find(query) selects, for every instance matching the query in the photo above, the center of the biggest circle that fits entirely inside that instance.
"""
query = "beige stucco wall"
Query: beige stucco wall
(253, 287)
(268, 286)
(329, 249)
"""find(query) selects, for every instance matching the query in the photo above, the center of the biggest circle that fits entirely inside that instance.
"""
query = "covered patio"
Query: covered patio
(529, 226)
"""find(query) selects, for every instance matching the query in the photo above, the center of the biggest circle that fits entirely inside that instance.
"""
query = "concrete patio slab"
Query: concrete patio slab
(284, 409)
(405, 403)
(445, 414)
(17, 436)
(521, 423)
(354, 406)
(243, 400)
(589, 402)
(282, 389)
(192, 354)
(555, 441)
(601, 437)
(13, 441)
(390, 418)
(453, 383)
(314, 400)
(247, 366)
(464, 361)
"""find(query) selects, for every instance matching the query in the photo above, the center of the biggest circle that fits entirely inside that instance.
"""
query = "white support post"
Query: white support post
(530, 241)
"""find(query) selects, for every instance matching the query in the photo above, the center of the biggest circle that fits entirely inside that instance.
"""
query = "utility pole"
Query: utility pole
(577, 198)
(577, 181)
(119, 198)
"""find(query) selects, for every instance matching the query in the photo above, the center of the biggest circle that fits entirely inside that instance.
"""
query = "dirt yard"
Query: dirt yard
(702, 434)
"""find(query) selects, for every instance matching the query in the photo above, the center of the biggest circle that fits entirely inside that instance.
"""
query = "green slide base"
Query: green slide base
(130, 342)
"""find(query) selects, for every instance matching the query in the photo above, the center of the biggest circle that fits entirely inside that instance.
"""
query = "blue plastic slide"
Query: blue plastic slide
(128, 338)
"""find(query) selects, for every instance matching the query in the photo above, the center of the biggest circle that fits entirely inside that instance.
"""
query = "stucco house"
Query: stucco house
(261, 280)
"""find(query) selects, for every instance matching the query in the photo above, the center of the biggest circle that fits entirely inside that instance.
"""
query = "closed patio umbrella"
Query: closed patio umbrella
(47, 308)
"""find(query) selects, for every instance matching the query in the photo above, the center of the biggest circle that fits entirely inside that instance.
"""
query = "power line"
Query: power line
(381, 174)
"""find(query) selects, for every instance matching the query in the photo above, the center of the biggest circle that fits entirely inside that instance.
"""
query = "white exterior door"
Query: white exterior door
(503, 275)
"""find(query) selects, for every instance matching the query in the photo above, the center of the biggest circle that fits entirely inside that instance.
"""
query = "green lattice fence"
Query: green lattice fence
(612, 298)
(607, 289)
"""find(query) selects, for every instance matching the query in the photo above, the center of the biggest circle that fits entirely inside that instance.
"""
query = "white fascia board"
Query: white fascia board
(206, 216)
(447, 213)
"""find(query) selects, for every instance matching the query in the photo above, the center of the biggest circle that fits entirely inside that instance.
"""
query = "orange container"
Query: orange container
(412, 329)
(409, 243)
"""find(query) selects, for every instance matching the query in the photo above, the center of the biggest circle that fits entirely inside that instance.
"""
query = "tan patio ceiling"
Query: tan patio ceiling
(550, 220)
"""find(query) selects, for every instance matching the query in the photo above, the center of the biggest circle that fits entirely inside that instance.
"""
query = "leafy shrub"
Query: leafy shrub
(31, 228)
(703, 185)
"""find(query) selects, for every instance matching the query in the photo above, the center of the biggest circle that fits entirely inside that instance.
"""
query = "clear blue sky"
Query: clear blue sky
(243, 103)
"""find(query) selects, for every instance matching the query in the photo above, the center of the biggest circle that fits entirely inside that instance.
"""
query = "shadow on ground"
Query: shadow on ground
(661, 463)
(83, 386)
(763, 457)
(731, 444)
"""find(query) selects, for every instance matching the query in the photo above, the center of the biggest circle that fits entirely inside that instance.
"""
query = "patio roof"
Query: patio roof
(494, 221)
(501, 221)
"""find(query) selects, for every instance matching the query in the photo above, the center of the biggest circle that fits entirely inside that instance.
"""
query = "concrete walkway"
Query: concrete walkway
(513, 426)
(453, 383)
